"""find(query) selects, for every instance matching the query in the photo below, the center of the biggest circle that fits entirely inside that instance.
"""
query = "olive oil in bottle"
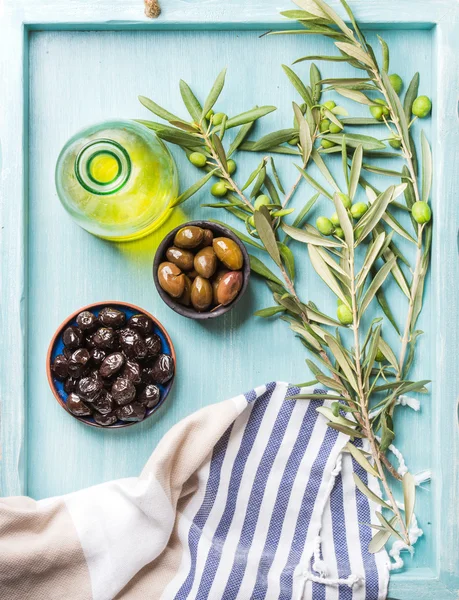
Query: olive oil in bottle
(117, 180)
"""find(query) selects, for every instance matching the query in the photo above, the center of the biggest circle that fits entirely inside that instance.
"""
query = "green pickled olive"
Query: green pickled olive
(359, 209)
(216, 280)
(185, 298)
(210, 114)
(394, 141)
(421, 107)
(324, 125)
(189, 237)
(344, 314)
(171, 279)
(294, 141)
(208, 238)
(261, 200)
(252, 221)
(421, 212)
(218, 118)
(339, 233)
(347, 202)
(198, 159)
(382, 103)
(379, 356)
(205, 262)
(396, 82)
(325, 226)
(330, 104)
(201, 294)
(229, 287)
(219, 189)
(231, 166)
(326, 143)
(228, 252)
(334, 128)
(334, 219)
(182, 258)
(377, 112)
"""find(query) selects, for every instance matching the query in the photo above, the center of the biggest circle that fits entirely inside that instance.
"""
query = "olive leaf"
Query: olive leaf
(324, 379)
(377, 282)
(354, 95)
(385, 54)
(358, 455)
(323, 270)
(388, 526)
(426, 168)
(356, 168)
(378, 541)
(264, 230)
(320, 164)
(305, 210)
(342, 361)
(381, 298)
(305, 134)
(370, 258)
(308, 238)
(261, 269)
(259, 181)
(344, 220)
(251, 146)
(357, 121)
(333, 16)
(320, 57)
(397, 107)
(175, 136)
(239, 139)
(368, 493)
(298, 85)
(314, 183)
(273, 194)
(314, 78)
(411, 95)
(249, 116)
(245, 238)
(276, 175)
(354, 140)
(190, 101)
(192, 189)
(214, 93)
(217, 144)
(253, 175)
(271, 140)
(158, 110)
(329, 414)
(269, 312)
(373, 215)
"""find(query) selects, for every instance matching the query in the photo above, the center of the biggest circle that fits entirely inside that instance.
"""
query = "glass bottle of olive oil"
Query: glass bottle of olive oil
(117, 179)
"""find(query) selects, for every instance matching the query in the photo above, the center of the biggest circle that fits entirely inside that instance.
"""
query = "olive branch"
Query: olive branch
(366, 376)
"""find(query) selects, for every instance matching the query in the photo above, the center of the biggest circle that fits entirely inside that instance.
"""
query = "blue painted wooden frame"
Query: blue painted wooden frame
(18, 17)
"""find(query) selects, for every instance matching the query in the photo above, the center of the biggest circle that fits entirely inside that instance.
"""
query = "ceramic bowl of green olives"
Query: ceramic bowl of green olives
(111, 365)
(201, 269)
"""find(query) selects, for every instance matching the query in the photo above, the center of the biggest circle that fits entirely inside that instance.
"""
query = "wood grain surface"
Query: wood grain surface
(51, 267)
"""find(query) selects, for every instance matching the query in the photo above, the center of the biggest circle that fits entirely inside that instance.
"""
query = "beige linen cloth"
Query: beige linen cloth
(247, 498)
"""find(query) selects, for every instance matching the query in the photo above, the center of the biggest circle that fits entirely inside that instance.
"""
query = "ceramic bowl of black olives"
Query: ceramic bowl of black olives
(201, 269)
(111, 365)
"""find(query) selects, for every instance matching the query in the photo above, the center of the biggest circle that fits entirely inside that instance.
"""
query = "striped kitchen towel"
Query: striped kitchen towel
(248, 499)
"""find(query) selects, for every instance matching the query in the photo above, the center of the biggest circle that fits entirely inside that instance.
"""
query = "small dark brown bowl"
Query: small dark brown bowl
(56, 346)
(160, 256)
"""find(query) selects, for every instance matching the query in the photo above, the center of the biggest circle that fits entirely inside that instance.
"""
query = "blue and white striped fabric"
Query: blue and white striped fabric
(247, 499)
(276, 514)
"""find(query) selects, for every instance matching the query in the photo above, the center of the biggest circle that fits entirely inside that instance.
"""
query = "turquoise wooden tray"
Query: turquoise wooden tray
(66, 64)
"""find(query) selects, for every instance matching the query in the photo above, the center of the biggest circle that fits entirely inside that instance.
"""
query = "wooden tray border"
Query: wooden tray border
(19, 17)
